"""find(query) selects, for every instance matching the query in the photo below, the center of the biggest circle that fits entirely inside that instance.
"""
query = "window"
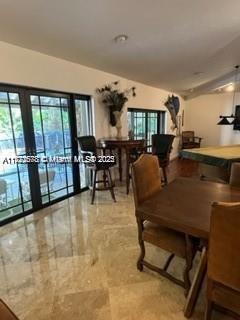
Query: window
(143, 123)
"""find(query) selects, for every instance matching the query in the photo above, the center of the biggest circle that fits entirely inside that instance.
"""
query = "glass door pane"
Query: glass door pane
(53, 144)
(84, 128)
(152, 126)
(137, 121)
(15, 196)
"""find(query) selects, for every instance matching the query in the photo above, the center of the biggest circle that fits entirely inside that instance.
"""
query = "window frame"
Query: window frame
(161, 119)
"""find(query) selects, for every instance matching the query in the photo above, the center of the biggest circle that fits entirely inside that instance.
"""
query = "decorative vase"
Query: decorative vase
(117, 115)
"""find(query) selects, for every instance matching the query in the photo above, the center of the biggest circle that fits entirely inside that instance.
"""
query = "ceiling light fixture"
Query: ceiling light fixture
(235, 119)
(121, 38)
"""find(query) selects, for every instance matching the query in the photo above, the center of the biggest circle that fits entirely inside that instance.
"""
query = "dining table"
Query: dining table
(184, 205)
(124, 144)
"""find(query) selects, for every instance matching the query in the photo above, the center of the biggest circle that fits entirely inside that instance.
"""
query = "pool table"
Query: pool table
(215, 162)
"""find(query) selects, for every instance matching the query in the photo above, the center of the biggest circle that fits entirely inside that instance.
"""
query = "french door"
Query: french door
(37, 143)
(15, 197)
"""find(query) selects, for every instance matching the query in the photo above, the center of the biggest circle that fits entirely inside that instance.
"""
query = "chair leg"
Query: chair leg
(189, 261)
(141, 244)
(208, 312)
(94, 185)
(111, 185)
(167, 263)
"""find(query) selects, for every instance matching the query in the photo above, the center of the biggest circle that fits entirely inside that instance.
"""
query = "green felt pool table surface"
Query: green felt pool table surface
(220, 156)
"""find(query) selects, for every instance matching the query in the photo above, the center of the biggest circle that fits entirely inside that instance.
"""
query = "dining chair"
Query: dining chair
(189, 140)
(146, 181)
(161, 147)
(223, 273)
(88, 147)
(6, 313)
(235, 175)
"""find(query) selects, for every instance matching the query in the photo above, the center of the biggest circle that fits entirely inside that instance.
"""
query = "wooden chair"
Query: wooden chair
(223, 283)
(189, 140)
(235, 175)
(88, 147)
(146, 182)
(162, 147)
(6, 313)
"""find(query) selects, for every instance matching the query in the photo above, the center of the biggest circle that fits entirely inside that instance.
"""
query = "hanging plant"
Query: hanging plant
(114, 99)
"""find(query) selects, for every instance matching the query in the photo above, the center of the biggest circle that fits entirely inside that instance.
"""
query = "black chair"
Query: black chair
(161, 147)
(94, 162)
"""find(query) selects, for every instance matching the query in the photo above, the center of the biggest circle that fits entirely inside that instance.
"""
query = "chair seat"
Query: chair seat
(104, 165)
(101, 165)
(191, 145)
(165, 238)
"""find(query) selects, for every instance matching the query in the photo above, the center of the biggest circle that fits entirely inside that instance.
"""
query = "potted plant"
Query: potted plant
(114, 99)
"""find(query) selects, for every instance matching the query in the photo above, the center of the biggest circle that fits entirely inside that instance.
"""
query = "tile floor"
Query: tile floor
(74, 260)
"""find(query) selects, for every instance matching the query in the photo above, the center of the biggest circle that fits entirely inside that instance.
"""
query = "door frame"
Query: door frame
(28, 131)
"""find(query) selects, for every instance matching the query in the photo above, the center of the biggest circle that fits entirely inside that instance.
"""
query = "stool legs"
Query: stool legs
(107, 183)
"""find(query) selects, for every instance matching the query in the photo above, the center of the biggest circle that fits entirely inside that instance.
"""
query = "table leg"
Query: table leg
(120, 163)
(196, 285)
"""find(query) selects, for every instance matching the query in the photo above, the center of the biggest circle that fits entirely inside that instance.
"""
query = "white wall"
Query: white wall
(26, 67)
(202, 115)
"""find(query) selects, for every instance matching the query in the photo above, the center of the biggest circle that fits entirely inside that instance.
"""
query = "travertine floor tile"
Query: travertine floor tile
(75, 260)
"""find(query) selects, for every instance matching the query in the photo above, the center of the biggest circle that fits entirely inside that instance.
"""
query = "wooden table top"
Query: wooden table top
(123, 142)
(185, 205)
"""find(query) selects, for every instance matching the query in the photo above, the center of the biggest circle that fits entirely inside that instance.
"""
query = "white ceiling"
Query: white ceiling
(169, 40)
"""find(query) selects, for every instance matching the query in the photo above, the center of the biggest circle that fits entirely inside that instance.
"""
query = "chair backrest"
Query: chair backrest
(235, 175)
(88, 144)
(187, 136)
(146, 178)
(3, 186)
(162, 144)
(224, 246)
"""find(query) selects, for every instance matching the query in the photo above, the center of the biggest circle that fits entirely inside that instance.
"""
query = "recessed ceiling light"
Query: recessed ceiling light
(121, 38)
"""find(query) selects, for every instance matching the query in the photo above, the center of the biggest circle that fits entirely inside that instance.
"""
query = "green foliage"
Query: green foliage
(5, 123)
(113, 98)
